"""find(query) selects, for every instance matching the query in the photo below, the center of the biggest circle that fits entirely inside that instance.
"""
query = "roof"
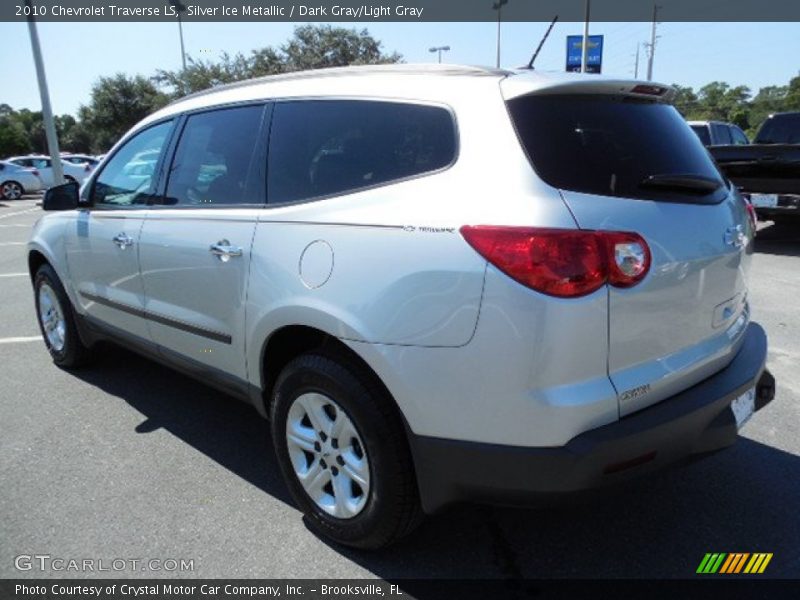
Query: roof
(358, 70)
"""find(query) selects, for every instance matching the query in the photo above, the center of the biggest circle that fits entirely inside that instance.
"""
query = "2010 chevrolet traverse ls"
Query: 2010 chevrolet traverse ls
(439, 283)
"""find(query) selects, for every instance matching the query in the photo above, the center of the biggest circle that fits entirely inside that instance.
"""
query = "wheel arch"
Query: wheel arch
(290, 341)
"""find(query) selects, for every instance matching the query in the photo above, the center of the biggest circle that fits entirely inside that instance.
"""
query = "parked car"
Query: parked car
(713, 133)
(769, 169)
(440, 284)
(15, 181)
(81, 159)
(44, 165)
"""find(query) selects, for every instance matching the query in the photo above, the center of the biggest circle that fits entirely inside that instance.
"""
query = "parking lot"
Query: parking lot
(127, 459)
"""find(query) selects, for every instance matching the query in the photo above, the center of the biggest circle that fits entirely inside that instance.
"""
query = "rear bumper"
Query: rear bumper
(696, 421)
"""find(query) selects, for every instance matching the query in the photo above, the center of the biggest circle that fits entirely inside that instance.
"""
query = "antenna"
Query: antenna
(546, 33)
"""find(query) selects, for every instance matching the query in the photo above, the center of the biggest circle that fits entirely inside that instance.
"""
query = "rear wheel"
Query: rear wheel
(57, 320)
(342, 450)
(11, 190)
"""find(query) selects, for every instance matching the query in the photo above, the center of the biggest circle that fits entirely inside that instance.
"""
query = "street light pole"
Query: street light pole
(179, 8)
(47, 111)
(498, 6)
(439, 49)
(585, 57)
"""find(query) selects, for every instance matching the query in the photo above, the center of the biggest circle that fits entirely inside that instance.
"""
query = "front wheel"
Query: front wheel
(57, 320)
(342, 450)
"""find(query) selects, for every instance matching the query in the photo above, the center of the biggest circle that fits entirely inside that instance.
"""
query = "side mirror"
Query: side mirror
(61, 197)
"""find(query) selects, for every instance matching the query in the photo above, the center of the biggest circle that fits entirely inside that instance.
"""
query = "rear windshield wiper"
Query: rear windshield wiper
(684, 182)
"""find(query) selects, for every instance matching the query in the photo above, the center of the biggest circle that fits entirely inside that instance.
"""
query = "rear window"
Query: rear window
(609, 145)
(321, 148)
(702, 133)
(780, 129)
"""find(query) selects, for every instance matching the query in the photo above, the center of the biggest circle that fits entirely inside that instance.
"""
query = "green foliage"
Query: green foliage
(117, 103)
(311, 47)
(717, 101)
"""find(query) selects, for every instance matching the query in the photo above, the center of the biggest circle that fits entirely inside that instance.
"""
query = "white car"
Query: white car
(16, 181)
(81, 159)
(44, 165)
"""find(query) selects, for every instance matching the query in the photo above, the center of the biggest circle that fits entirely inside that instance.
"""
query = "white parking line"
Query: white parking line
(13, 274)
(19, 340)
(17, 225)
(21, 212)
(13, 243)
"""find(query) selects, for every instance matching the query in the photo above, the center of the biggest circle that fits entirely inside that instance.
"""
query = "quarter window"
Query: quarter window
(128, 179)
(213, 158)
(327, 147)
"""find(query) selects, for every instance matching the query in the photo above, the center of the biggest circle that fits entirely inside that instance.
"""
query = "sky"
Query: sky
(693, 54)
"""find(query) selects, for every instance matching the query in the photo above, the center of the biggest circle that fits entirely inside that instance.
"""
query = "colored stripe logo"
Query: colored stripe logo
(734, 563)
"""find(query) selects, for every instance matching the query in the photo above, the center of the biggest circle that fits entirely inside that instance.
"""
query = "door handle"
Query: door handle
(224, 251)
(123, 240)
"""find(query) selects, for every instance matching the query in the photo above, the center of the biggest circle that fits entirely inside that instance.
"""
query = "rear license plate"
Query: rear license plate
(744, 406)
(764, 200)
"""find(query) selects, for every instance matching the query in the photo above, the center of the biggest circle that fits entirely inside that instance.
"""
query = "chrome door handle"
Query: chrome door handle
(123, 240)
(224, 251)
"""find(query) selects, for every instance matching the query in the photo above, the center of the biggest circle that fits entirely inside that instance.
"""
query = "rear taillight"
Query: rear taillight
(751, 211)
(562, 262)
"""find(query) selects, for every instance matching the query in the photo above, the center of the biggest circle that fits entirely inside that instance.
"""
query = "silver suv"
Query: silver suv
(439, 284)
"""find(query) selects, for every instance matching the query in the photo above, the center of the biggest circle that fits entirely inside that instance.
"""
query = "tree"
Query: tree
(311, 47)
(319, 47)
(685, 100)
(13, 137)
(117, 103)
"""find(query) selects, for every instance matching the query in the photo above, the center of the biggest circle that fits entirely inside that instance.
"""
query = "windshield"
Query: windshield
(780, 129)
(615, 146)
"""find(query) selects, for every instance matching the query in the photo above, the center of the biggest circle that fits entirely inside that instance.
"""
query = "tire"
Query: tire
(785, 220)
(11, 190)
(59, 330)
(387, 506)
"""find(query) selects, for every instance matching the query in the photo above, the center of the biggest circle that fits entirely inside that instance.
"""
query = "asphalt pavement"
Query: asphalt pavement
(129, 460)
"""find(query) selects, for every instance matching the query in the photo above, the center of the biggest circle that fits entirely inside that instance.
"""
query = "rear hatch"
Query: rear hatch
(624, 160)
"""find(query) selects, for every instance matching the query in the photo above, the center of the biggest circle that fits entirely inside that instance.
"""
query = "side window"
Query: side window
(41, 163)
(213, 158)
(722, 134)
(128, 178)
(325, 147)
(738, 136)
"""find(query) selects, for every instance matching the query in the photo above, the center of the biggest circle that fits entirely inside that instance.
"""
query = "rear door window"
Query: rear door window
(614, 146)
(321, 148)
(213, 159)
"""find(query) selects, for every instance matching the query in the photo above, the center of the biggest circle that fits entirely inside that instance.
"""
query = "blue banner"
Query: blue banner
(594, 60)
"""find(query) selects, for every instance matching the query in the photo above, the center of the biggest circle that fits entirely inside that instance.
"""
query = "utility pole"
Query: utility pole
(47, 111)
(652, 43)
(585, 58)
(636, 67)
(498, 6)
